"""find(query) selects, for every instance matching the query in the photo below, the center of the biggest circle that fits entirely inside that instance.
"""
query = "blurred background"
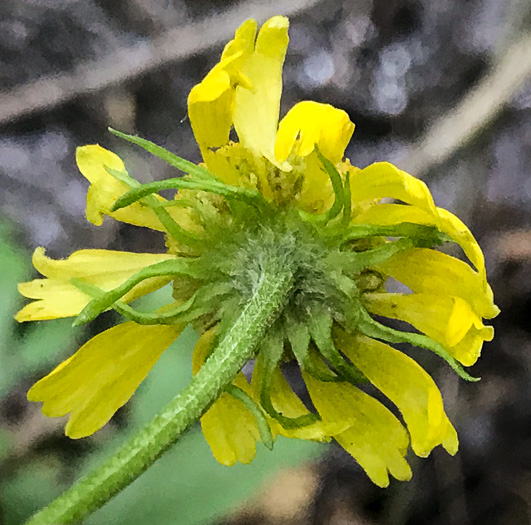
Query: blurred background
(439, 88)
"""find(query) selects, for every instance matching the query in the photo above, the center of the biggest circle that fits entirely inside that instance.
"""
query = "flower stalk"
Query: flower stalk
(219, 370)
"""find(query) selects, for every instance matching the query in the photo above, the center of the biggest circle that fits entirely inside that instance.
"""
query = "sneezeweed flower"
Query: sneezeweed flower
(281, 193)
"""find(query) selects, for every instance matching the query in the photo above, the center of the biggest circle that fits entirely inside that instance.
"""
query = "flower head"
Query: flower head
(282, 193)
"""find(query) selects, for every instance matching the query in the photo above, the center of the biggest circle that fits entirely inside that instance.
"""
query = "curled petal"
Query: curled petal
(376, 439)
(57, 297)
(211, 102)
(242, 45)
(409, 387)
(468, 350)
(457, 230)
(430, 271)
(382, 179)
(444, 318)
(105, 189)
(210, 106)
(309, 124)
(447, 222)
(287, 403)
(116, 361)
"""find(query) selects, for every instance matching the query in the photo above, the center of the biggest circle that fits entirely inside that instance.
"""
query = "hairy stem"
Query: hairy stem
(219, 370)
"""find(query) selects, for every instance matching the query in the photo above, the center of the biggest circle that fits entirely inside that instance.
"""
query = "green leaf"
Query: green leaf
(263, 426)
(299, 338)
(337, 185)
(107, 299)
(173, 160)
(321, 332)
(376, 330)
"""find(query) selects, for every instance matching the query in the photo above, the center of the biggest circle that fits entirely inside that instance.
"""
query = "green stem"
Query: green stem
(236, 347)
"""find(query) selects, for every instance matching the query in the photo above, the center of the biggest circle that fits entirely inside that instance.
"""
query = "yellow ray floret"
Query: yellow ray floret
(256, 110)
(444, 318)
(57, 296)
(102, 375)
(309, 123)
(243, 90)
(376, 438)
(105, 189)
(382, 179)
(444, 220)
(407, 385)
(429, 271)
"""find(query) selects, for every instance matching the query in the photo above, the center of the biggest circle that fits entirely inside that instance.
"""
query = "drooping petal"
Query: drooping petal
(230, 430)
(228, 426)
(287, 403)
(382, 179)
(444, 318)
(468, 350)
(457, 230)
(409, 387)
(102, 375)
(57, 297)
(376, 439)
(447, 222)
(256, 110)
(447, 319)
(105, 189)
(310, 123)
(429, 271)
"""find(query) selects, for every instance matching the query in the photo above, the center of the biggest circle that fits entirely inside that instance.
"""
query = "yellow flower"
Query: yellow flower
(283, 189)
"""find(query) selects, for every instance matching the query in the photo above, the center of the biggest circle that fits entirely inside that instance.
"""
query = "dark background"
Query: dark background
(437, 87)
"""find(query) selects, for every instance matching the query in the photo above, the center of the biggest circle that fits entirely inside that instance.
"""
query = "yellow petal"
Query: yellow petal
(231, 431)
(57, 297)
(242, 45)
(317, 194)
(457, 230)
(256, 110)
(382, 179)
(228, 426)
(468, 350)
(102, 375)
(211, 102)
(376, 439)
(444, 318)
(287, 403)
(308, 124)
(210, 106)
(409, 387)
(105, 189)
(447, 222)
(429, 271)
